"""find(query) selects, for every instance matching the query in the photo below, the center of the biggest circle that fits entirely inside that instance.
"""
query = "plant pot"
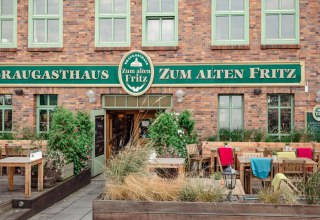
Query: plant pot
(50, 178)
(65, 172)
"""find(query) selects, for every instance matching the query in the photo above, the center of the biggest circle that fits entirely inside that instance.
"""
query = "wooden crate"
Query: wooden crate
(66, 172)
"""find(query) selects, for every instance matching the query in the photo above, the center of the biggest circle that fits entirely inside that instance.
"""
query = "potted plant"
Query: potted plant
(54, 160)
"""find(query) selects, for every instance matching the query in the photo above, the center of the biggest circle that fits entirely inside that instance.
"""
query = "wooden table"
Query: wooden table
(12, 162)
(176, 163)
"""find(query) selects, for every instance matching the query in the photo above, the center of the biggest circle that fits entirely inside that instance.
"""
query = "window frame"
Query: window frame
(4, 107)
(14, 19)
(112, 16)
(280, 12)
(48, 108)
(229, 13)
(279, 135)
(32, 17)
(159, 15)
(230, 108)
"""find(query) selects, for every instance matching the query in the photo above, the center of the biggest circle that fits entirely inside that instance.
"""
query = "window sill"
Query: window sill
(230, 47)
(281, 46)
(160, 48)
(111, 48)
(45, 49)
(8, 49)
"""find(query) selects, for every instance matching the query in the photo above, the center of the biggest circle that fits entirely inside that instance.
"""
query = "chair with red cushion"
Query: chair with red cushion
(225, 157)
(305, 152)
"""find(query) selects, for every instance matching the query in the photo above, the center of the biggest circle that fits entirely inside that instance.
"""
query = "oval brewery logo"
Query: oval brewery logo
(136, 72)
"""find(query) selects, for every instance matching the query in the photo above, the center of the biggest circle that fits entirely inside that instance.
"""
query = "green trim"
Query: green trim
(159, 16)
(113, 15)
(4, 107)
(230, 13)
(13, 18)
(45, 17)
(280, 12)
(47, 108)
(230, 108)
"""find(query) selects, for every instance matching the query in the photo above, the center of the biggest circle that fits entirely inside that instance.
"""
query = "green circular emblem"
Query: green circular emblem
(136, 72)
(316, 112)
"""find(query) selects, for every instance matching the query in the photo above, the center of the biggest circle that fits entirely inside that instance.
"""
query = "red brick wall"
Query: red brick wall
(194, 46)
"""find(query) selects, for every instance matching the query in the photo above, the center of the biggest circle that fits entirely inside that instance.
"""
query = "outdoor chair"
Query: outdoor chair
(281, 182)
(14, 151)
(0, 159)
(195, 157)
(295, 170)
(305, 152)
(225, 156)
(288, 154)
(262, 170)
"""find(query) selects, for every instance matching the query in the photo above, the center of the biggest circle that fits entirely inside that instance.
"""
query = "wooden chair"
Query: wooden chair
(13, 151)
(0, 159)
(195, 156)
(265, 181)
(295, 170)
(220, 166)
(252, 154)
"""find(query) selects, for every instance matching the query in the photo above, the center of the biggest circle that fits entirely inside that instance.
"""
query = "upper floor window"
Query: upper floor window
(230, 22)
(8, 23)
(112, 23)
(231, 112)
(5, 113)
(160, 23)
(280, 22)
(45, 106)
(45, 23)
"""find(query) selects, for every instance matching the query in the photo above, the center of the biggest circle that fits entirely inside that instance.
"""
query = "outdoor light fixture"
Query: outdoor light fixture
(257, 91)
(91, 95)
(18, 92)
(180, 95)
(230, 177)
(318, 96)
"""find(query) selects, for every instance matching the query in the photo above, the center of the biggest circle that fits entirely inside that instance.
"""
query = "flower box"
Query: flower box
(65, 172)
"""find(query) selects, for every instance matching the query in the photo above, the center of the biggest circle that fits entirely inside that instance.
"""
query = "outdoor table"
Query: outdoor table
(176, 163)
(12, 162)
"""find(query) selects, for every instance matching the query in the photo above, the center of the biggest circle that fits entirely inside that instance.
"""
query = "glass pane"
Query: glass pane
(285, 101)
(53, 7)
(39, 7)
(43, 99)
(1, 120)
(236, 101)
(285, 125)
(272, 4)
(237, 27)
(167, 6)
(273, 100)
(272, 121)
(222, 5)
(39, 28)
(8, 120)
(165, 101)
(7, 31)
(110, 101)
(224, 101)
(120, 6)
(120, 30)
(272, 26)
(222, 28)
(43, 120)
(105, 30)
(132, 101)
(236, 119)
(143, 101)
(53, 99)
(105, 6)
(53, 31)
(121, 101)
(1, 99)
(287, 24)
(8, 99)
(154, 101)
(153, 5)
(288, 4)
(153, 30)
(167, 30)
(224, 118)
(237, 5)
(7, 7)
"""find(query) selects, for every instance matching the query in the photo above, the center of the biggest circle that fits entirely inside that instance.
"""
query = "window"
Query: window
(45, 23)
(112, 23)
(280, 115)
(45, 107)
(5, 113)
(280, 22)
(160, 23)
(230, 22)
(8, 23)
(231, 111)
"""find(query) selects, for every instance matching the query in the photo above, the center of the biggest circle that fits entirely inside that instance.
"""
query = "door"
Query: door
(99, 150)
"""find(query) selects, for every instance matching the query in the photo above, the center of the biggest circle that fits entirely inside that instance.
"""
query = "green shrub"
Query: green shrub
(312, 188)
(212, 138)
(6, 136)
(224, 134)
(257, 135)
(296, 135)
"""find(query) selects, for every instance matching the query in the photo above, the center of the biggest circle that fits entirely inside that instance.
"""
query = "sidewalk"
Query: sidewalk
(77, 205)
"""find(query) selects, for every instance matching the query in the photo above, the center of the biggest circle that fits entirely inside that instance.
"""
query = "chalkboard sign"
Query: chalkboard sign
(311, 122)
(99, 135)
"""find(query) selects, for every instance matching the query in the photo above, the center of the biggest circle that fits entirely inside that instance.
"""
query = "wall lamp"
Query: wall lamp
(180, 95)
(257, 91)
(318, 96)
(91, 95)
(18, 92)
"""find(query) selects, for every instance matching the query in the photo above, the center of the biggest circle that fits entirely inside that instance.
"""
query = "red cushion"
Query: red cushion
(226, 156)
(304, 152)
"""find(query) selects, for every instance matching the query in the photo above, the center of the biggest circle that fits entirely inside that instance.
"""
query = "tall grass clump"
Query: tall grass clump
(284, 195)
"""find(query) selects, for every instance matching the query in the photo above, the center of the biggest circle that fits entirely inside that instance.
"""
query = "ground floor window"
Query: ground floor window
(5, 114)
(45, 107)
(230, 111)
(280, 115)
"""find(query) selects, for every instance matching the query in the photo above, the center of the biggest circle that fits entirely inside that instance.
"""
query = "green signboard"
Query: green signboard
(311, 122)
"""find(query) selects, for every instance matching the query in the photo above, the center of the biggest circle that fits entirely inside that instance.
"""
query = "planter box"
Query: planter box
(116, 209)
(66, 172)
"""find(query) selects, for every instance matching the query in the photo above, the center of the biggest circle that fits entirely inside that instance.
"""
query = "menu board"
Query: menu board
(311, 122)
(99, 135)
